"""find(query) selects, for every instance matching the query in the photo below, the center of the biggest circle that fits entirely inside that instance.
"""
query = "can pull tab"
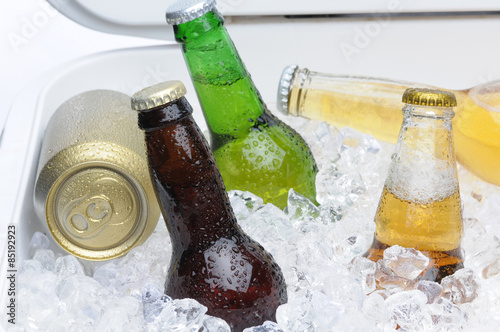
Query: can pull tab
(87, 216)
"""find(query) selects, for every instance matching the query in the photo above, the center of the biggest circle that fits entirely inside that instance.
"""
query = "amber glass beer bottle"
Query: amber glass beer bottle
(420, 204)
(213, 260)
(254, 150)
(373, 105)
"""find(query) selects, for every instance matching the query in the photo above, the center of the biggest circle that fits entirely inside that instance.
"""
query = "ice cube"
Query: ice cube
(83, 296)
(106, 275)
(36, 308)
(339, 286)
(296, 315)
(386, 278)
(405, 262)
(431, 289)
(244, 203)
(267, 326)
(461, 287)
(326, 311)
(477, 240)
(374, 307)
(31, 267)
(406, 309)
(269, 226)
(181, 315)
(153, 301)
(338, 190)
(120, 314)
(68, 265)
(446, 314)
(214, 324)
(38, 241)
(359, 142)
(299, 207)
(364, 269)
(46, 257)
(492, 269)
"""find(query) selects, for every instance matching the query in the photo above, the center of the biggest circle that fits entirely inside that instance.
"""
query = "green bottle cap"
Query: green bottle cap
(183, 11)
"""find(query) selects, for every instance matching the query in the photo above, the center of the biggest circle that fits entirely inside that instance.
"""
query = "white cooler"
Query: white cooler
(450, 44)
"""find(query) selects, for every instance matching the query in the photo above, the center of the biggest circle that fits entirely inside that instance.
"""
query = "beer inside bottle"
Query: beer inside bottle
(254, 150)
(213, 260)
(420, 204)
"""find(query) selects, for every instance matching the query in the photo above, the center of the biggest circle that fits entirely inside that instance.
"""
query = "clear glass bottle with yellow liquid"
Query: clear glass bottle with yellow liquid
(420, 204)
(372, 105)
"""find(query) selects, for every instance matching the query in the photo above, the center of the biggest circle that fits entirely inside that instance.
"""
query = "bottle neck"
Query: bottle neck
(366, 90)
(164, 115)
(423, 167)
(230, 102)
(188, 183)
(367, 104)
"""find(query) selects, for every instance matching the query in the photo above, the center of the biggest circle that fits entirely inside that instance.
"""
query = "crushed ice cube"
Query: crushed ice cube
(431, 289)
(364, 269)
(38, 241)
(297, 314)
(120, 315)
(68, 265)
(244, 203)
(326, 311)
(445, 314)
(215, 324)
(374, 307)
(299, 207)
(153, 301)
(181, 315)
(387, 278)
(492, 269)
(267, 326)
(405, 262)
(338, 190)
(461, 287)
(407, 309)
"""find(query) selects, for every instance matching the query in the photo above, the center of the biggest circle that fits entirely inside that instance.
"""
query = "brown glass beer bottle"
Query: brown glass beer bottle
(420, 204)
(213, 260)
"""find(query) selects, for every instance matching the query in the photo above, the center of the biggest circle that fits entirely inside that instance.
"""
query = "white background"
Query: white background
(35, 38)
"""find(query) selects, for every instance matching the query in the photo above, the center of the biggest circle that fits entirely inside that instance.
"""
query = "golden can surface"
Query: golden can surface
(93, 187)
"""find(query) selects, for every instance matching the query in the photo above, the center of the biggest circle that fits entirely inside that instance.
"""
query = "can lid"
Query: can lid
(429, 97)
(96, 209)
(183, 11)
(285, 87)
(157, 95)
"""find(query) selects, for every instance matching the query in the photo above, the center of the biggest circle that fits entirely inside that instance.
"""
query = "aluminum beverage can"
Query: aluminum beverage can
(93, 188)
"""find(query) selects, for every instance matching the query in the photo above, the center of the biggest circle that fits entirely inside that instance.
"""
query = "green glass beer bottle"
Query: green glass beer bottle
(254, 150)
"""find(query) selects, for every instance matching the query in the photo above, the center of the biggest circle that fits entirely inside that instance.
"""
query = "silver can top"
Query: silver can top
(183, 11)
(284, 88)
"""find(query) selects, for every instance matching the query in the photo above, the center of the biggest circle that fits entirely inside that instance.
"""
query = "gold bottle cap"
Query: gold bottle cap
(183, 11)
(157, 95)
(429, 97)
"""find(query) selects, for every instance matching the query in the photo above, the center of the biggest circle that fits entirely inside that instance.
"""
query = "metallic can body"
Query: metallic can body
(93, 187)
